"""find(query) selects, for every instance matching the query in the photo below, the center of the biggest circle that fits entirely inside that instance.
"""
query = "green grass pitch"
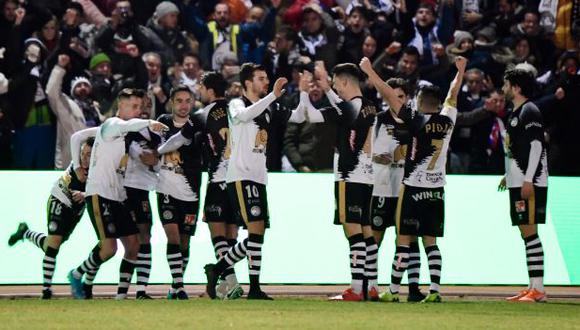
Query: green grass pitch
(287, 313)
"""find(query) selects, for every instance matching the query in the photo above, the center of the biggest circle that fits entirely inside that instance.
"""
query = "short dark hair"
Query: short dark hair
(190, 54)
(523, 79)
(216, 82)
(430, 95)
(179, 88)
(349, 70)
(288, 33)
(78, 7)
(425, 5)
(247, 72)
(90, 141)
(126, 93)
(361, 10)
(402, 84)
(411, 50)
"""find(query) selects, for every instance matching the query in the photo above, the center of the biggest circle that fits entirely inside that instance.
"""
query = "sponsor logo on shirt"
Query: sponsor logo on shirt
(427, 195)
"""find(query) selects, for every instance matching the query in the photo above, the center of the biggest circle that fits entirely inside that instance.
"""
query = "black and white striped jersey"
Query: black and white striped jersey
(427, 150)
(354, 140)
(391, 138)
(181, 167)
(139, 175)
(525, 127)
(214, 133)
(63, 187)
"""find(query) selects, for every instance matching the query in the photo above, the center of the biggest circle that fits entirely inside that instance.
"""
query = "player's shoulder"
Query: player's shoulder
(236, 102)
(531, 109)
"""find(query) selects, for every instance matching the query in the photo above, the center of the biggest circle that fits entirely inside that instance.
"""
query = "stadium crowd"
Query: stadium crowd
(62, 63)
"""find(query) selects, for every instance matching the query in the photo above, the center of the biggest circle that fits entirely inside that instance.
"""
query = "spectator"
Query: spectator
(102, 81)
(35, 138)
(281, 53)
(123, 40)
(310, 147)
(530, 27)
(73, 113)
(188, 73)
(319, 36)
(357, 28)
(152, 79)
(165, 24)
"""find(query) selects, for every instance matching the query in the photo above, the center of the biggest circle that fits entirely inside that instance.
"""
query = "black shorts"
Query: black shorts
(182, 213)
(61, 219)
(249, 201)
(383, 212)
(531, 211)
(110, 219)
(218, 206)
(352, 202)
(420, 211)
(139, 206)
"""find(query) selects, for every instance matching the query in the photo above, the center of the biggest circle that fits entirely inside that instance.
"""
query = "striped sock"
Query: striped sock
(92, 263)
(221, 247)
(372, 251)
(400, 264)
(255, 243)
(143, 266)
(357, 256)
(88, 281)
(48, 265)
(435, 261)
(414, 268)
(235, 254)
(184, 259)
(230, 272)
(175, 261)
(36, 238)
(535, 261)
(125, 274)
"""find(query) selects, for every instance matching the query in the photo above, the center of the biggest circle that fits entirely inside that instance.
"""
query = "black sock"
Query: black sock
(400, 264)
(235, 254)
(414, 268)
(175, 261)
(435, 263)
(357, 254)
(184, 259)
(48, 266)
(143, 266)
(36, 238)
(255, 243)
(125, 274)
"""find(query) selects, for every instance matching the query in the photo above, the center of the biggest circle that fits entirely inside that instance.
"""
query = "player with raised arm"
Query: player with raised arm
(526, 176)
(249, 122)
(105, 192)
(65, 207)
(420, 209)
(391, 139)
(355, 117)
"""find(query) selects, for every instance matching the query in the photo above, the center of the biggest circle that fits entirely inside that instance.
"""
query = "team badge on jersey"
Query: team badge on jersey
(53, 226)
(167, 215)
(378, 221)
(514, 122)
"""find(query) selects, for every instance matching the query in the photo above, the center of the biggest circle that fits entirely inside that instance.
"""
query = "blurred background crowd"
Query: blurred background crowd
(63, 62)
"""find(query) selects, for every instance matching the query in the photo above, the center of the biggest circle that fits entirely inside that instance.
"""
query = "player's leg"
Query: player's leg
(372, 253)
(405, 222)
(221, 247)
(140, 209)
(128, 264)
(169, 213)
(52, 246)
(413, 271)
(100, 213)
(235, 290)
(526, 214)
(434, 260)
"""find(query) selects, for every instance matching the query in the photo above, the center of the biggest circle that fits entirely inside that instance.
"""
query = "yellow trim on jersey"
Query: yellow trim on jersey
(240, 193)
(399, 207)
(98, 217)
(342, 202)
(532, 208)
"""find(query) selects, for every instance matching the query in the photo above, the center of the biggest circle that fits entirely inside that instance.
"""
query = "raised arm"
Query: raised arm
(76, 140)
(383, 88)
(451, 100)
(174, 143)
(240, 112)
(116, 127)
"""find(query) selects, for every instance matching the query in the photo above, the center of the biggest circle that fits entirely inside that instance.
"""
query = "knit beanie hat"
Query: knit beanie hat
(98, 59)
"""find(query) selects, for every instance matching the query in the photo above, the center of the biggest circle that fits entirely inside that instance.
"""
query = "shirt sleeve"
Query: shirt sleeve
(532, 122)
(449, 111)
